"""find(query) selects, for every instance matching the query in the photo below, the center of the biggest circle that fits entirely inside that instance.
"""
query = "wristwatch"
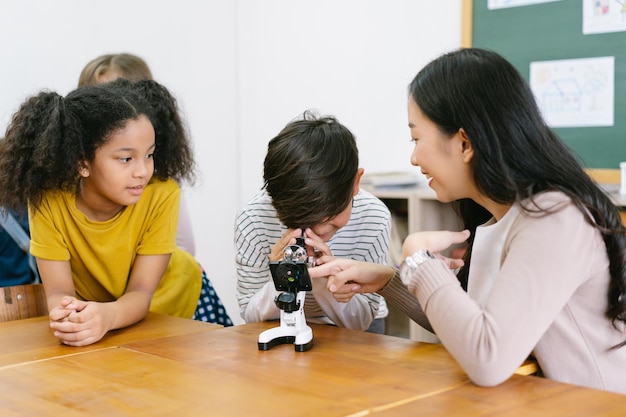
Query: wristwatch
(411, 263)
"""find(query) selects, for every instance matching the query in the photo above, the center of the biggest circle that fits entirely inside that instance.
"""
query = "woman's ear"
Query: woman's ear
(467, 151)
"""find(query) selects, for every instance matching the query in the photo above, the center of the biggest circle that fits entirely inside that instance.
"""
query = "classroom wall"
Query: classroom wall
(240, 69)
(351, 58)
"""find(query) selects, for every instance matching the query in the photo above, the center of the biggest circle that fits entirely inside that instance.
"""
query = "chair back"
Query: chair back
(22, 302)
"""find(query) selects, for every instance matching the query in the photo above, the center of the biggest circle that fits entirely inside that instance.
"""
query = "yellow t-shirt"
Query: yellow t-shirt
(101, 254)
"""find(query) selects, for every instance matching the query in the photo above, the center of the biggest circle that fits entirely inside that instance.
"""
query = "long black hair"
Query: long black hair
(516, 155)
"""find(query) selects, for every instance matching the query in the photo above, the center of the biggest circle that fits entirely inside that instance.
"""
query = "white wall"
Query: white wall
(350, 58)
(241, 69)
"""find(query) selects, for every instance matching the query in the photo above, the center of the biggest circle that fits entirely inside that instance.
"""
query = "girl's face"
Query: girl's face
(119, 172)
(443, 159)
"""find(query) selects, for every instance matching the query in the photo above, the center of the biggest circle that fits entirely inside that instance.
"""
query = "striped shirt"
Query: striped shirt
(364, 238)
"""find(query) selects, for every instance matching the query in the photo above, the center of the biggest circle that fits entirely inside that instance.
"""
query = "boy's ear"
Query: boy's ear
(467, 151)
(357, 181)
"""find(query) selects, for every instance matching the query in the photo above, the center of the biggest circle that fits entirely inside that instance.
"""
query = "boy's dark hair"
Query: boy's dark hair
(309, 170)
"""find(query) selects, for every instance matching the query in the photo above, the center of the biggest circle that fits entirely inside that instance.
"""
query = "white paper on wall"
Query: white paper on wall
(575, 92)
(603, 16)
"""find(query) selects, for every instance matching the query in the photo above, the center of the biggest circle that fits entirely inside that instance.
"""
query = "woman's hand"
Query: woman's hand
(433, 241)
(347, 277)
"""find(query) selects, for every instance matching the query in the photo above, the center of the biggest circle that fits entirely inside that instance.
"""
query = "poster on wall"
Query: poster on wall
(604, 16)
(503, 4)
(575, 92)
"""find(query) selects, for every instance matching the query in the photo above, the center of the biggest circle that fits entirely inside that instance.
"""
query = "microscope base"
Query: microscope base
(301, 338)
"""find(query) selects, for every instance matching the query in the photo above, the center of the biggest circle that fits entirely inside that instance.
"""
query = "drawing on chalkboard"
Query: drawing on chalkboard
(575, 92)
(603, 16)
(562, 95)
(600, 7)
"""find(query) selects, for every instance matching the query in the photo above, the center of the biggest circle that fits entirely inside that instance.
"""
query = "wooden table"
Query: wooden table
(32, 340)
(174, 367)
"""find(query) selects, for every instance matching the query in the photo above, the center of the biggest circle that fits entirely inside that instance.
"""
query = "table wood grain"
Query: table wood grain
(170, 367)
(519, 396)
(32, 339)
(345, 369)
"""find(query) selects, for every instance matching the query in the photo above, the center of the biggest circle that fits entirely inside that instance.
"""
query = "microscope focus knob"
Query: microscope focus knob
(287, 302)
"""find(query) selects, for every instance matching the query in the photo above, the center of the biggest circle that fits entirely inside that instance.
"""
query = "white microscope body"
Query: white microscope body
(291, 276)
(293, 327)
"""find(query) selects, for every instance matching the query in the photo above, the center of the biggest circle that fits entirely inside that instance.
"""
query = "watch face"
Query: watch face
(407, 269)
(405, 275)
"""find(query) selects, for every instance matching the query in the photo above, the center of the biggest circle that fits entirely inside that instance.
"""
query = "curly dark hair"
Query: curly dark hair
(173, 155)
(309, 170)
(50, 137)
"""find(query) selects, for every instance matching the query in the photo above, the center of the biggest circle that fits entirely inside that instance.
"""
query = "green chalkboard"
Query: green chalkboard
(554, 31)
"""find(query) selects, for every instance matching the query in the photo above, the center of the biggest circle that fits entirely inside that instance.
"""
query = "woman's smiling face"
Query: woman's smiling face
(442, 158)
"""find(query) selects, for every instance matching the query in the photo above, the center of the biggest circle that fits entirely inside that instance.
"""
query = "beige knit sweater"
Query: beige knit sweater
(549, 297)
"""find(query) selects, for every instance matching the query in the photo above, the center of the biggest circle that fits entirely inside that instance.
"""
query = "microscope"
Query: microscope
(292, 277)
